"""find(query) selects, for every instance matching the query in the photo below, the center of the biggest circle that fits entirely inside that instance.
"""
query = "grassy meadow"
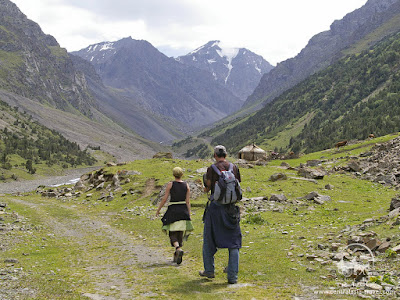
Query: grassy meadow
(61, 250)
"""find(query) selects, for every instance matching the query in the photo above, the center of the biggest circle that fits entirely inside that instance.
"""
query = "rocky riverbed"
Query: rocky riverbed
(30, 185)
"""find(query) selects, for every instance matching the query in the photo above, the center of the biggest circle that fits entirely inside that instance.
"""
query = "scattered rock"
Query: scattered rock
(374, 286)
(278, 198)
(383, 247)
(373, 244)
(354, 166)
(394, 213)
(310, 270)
(370, 220)
(311, 173)
(79, 186)
(278, 176)
(329, 187)
(201, 170)
(335, 246)
(311, 196)
(396, 249)
(285, 164)
(313, 163)
(167, 155)
(395, 203)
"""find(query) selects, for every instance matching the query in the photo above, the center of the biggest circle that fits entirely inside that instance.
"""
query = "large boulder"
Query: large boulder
(311, 173)
(278, 176)
(395, 203)
(278, 198)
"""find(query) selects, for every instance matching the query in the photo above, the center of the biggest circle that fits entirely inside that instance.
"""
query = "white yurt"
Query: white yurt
(252, 153)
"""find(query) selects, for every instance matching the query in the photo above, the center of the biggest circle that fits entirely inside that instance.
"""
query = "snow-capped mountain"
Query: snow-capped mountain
(178, 94)
(238, 69)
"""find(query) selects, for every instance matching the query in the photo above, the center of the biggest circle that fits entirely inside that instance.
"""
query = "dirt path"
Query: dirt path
(120, 252)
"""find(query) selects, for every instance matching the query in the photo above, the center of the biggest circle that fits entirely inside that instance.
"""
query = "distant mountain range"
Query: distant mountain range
(127, 82)
(238, 69)
(179, 95)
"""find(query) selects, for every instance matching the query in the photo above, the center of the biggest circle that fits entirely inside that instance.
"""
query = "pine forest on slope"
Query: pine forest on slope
(24, 143)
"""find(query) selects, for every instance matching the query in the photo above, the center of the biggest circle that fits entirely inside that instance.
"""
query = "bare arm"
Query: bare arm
(208, 187)
(167, 190)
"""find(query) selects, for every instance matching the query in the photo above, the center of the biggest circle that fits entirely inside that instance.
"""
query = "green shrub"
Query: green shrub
(255, 219)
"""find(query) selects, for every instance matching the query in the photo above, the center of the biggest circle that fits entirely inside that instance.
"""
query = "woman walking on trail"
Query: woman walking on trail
(176, 220)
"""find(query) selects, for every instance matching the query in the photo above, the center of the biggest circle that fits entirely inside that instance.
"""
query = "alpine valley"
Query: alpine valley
(317, 221)
(130, 100)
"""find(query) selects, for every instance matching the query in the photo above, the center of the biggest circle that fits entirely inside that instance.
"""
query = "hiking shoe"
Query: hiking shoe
(232, 281)
(206, 274)
(179, 254)
(175, 257)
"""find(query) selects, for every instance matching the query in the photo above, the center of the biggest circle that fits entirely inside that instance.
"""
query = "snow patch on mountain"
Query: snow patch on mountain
(107, 46)
(228, 53)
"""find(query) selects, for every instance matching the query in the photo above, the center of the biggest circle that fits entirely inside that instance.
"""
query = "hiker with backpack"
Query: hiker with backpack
(176, 220)
(222, 216)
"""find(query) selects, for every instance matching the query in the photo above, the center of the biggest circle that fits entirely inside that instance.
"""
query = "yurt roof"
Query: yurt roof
(252, 148)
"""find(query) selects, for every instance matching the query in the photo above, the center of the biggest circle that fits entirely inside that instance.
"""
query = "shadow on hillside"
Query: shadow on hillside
(201, 285)
(157, 265)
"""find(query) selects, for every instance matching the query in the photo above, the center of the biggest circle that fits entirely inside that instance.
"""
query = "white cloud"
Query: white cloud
(277, 30)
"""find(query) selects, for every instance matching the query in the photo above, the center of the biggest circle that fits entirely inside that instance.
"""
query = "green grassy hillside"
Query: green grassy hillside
(82, 246)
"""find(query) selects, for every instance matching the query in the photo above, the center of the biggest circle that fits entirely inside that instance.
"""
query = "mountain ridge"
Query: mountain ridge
(239, 69)
(323, 49)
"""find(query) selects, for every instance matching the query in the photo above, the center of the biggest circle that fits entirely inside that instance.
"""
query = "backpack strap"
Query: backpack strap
(231, 167)
(218, 171)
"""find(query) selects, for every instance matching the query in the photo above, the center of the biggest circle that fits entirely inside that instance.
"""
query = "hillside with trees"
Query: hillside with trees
(355, 97)
(25, 144)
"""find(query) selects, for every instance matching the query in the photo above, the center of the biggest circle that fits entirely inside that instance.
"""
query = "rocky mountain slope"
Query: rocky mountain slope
(325, 48)
(41, 78)
(127, 113)
(146, 78)
(101, 132)
(34, 66)
(238, 69)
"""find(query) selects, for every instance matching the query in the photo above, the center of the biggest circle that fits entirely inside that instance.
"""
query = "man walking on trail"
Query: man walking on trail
(221, 222)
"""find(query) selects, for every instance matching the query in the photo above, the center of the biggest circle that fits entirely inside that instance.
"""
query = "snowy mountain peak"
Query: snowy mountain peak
(236, 68)
(105, 50)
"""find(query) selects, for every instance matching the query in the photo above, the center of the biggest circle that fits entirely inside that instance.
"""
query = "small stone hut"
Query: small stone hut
(252, 153)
